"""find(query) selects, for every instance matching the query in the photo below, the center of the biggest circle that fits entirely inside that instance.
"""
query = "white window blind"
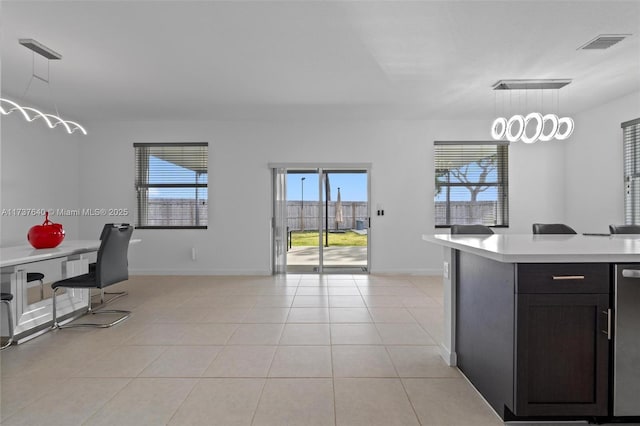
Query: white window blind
(471, 183)
(631, 143)
(171, 185)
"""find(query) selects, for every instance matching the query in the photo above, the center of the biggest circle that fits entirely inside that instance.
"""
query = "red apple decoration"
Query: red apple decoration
(47, 235)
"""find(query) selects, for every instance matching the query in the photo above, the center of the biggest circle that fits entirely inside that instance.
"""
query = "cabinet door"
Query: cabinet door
(562, 355)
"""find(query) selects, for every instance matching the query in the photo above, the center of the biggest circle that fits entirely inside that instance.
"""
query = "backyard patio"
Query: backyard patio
(333, 256)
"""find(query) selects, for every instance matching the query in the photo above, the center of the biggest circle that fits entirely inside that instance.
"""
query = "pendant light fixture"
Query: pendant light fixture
(31, 114)
(516, 128)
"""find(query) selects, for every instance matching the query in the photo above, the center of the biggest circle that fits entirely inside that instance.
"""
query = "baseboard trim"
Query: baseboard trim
(205, 272)
(430, 272)
(142, 271)
(449, 357)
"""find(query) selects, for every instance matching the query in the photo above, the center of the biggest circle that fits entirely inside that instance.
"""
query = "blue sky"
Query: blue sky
(161, 171)
(353, 186)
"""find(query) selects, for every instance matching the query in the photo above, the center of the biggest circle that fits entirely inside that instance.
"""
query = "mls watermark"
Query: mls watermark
(110, 212)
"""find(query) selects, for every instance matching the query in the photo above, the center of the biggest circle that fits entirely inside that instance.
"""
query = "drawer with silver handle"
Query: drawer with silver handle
(563, 278)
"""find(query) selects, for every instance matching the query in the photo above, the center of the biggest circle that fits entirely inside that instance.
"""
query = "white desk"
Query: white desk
(16, 261)
(74, 257)
(24, 254)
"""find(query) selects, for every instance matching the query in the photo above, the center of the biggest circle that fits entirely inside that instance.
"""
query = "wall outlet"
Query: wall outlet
(194, 254)
(445, 270)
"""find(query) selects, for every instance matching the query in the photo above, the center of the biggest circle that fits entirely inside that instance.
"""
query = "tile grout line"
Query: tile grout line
(333, 374)
(3, 420)
(130, 379)
(415, 413)
(195, 384)
(255, 410)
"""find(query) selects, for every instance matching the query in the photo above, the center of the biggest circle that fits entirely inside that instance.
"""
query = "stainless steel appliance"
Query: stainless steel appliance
(626, 381)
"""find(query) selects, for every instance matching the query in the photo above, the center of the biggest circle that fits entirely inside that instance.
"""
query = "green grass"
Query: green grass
(310, 238)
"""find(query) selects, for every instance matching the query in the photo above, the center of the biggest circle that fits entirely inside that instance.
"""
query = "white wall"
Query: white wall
(536, 185)
(39, 171)
(238, 238)
(594, 166)
(578, 182)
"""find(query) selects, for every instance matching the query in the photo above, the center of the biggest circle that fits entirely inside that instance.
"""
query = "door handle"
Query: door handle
(567, 277)
(631, 273)
(608, 331)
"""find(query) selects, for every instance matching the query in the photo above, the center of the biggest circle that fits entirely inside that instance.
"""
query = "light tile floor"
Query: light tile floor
(293, 350)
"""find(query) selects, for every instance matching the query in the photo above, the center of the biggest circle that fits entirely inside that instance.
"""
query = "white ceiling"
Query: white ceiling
(148, 60)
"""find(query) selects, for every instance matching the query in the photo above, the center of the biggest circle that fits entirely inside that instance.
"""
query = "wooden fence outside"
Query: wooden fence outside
(354, 213)
(176, 212)
(462, 211)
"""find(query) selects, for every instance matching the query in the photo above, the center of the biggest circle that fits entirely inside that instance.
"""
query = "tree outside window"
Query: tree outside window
(471, 183)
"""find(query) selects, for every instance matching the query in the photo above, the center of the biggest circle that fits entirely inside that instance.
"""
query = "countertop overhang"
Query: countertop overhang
(527, 248)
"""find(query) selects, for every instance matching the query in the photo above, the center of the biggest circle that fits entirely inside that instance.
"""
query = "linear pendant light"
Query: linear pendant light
(8, 106)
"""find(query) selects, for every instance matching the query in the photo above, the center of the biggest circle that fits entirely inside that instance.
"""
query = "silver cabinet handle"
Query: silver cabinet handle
(631, 273)
(568, 277)
(608, 314)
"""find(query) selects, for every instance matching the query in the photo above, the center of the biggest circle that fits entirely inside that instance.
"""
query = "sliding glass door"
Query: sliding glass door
(346, 221)
(279, 221)
(321, 216)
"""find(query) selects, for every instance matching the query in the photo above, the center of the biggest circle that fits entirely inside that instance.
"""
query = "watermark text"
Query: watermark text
(62, 212)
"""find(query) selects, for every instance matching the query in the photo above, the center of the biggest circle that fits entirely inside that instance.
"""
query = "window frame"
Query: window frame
(502, 150)
(631, 170)
(138, 186)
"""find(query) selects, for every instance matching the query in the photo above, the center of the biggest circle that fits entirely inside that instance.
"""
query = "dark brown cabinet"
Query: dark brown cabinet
(562, 340)
(534, 338)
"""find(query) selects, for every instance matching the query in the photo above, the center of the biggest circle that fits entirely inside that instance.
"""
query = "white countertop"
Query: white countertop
(527, 248)
(19, 255)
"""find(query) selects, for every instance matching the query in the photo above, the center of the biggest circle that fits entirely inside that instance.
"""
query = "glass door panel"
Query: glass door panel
(346, 221)
(279, 224)
(303, 220)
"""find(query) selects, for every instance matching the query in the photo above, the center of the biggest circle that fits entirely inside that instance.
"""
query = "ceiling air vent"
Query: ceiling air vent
(603, 41)
(537, 84)
(40, 48)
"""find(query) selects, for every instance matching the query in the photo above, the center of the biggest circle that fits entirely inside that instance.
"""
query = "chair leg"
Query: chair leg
(116, 294)
(124, 316)
(55, 317)
(9, 323)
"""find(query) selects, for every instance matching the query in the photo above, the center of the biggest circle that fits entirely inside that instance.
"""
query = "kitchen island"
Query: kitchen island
(530, 320)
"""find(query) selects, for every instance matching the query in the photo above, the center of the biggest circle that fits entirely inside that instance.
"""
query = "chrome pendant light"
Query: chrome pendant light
(52, 121)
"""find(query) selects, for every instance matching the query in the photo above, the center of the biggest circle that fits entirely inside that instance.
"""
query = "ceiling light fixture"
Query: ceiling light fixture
(517, 128)
(31, 114)
(545, 137)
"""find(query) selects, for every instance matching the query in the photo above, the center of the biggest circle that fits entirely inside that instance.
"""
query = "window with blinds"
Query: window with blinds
(631, 143)
(471, 183)
(171, 185)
